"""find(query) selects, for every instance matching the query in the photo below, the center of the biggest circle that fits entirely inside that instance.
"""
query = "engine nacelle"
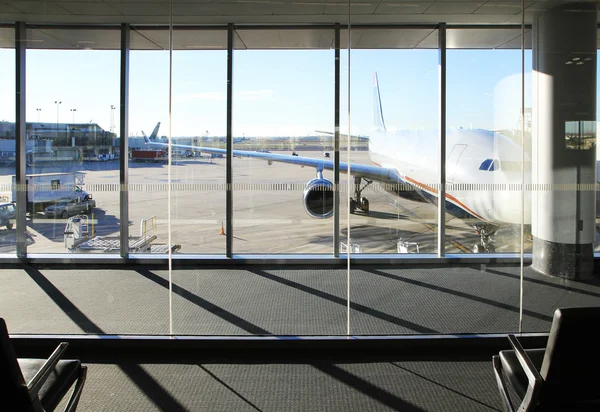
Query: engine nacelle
(318, 198)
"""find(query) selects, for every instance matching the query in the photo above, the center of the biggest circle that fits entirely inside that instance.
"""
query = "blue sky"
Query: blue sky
(275, 92)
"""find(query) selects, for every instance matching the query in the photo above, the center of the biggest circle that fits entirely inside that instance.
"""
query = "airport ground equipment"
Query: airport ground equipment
(353, 248)
(8, 213)
(407, 247)
(561, 377)
(79, 238)
(44, 189)
(38, 385)
(149, 155)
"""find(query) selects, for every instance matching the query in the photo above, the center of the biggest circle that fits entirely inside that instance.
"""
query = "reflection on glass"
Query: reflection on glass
(580, 135)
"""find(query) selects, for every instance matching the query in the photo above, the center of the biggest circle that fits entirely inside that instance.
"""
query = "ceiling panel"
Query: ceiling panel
(47, 38)
(410, 7)
(7, 38)
(134, 9)
(451, 7)
(484, 38)
(182, 40)
(284, 39)
(93, 8)
(264, 11)
(355, 8)
(39, 7)
(389, 38)
(501, 8)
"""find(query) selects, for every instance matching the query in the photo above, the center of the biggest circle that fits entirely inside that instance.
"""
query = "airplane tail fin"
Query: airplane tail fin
(155, 132)
(378, 121)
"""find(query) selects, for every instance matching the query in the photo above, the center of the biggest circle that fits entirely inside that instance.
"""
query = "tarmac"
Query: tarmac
(269, 215)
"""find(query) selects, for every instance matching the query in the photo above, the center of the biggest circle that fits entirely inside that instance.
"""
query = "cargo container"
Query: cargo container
(148, 155)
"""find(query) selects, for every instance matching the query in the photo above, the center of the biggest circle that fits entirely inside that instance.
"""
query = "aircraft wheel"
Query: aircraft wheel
(9, 226)
(491, 249)
(352, 206)
(364, 204)
(64, 214)
(478, 249)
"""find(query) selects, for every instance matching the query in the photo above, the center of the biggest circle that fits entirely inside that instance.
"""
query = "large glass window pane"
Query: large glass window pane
(8, 152)
(394, 94)
(149, 124)
(199, 116)
(72, 166)
(283, 113)
(483, 159)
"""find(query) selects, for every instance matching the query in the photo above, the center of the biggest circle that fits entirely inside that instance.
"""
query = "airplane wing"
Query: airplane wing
(377, 173)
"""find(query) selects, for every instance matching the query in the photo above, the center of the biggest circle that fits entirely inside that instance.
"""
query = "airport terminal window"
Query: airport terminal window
(72, 130)
(8, 153)
(394, 116)
(199, 119)
(148, 163)
(484, 134)
(283, 104)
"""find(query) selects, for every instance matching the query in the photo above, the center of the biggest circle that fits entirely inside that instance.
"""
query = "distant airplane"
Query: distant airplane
(239, 139)
(481, 167)
(153, 135)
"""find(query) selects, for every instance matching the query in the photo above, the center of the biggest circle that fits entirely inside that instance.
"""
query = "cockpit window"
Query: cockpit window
(486, 164)
(490, 165)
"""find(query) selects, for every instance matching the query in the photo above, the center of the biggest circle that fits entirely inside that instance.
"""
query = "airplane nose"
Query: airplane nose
(511, 203)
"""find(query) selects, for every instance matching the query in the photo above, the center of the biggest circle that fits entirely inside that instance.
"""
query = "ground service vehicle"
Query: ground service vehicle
(45, 189)
(8, 211)
(71, 206)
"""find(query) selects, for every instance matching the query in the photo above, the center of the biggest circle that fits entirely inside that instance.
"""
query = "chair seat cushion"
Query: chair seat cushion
(58, 383)
(514, 371)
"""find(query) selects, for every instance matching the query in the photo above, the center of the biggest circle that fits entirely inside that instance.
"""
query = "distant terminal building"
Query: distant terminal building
(58, 141)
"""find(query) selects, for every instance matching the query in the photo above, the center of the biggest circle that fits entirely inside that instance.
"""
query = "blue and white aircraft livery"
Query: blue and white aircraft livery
(483, 174)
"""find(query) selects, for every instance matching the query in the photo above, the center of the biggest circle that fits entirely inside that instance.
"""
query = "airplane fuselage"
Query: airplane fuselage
(483, 171)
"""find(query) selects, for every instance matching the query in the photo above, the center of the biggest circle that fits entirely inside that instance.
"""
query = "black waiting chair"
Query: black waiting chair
(34, 385)
(565, 376)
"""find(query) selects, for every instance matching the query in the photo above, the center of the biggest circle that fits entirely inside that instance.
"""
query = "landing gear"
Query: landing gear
(485, 231)
(359, 202)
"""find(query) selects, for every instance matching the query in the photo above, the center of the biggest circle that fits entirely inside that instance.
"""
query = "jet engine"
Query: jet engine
(318, 198)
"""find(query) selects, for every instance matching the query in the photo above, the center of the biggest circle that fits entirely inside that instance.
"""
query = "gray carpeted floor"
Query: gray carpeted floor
(255, 301)
(409, 386)
(482, 299)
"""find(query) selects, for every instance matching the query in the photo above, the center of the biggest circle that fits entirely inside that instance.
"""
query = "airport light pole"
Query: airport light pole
(112, 117)
(57, 103)
(73, 111)
(39, 111)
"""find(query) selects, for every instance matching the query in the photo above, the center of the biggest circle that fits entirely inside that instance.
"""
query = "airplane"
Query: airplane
(153, 135)
(239, 139)
(482, 169)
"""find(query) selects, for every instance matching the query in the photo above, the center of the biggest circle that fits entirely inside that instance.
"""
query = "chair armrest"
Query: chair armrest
(34, 385)
(501, 385)
(533, 375)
